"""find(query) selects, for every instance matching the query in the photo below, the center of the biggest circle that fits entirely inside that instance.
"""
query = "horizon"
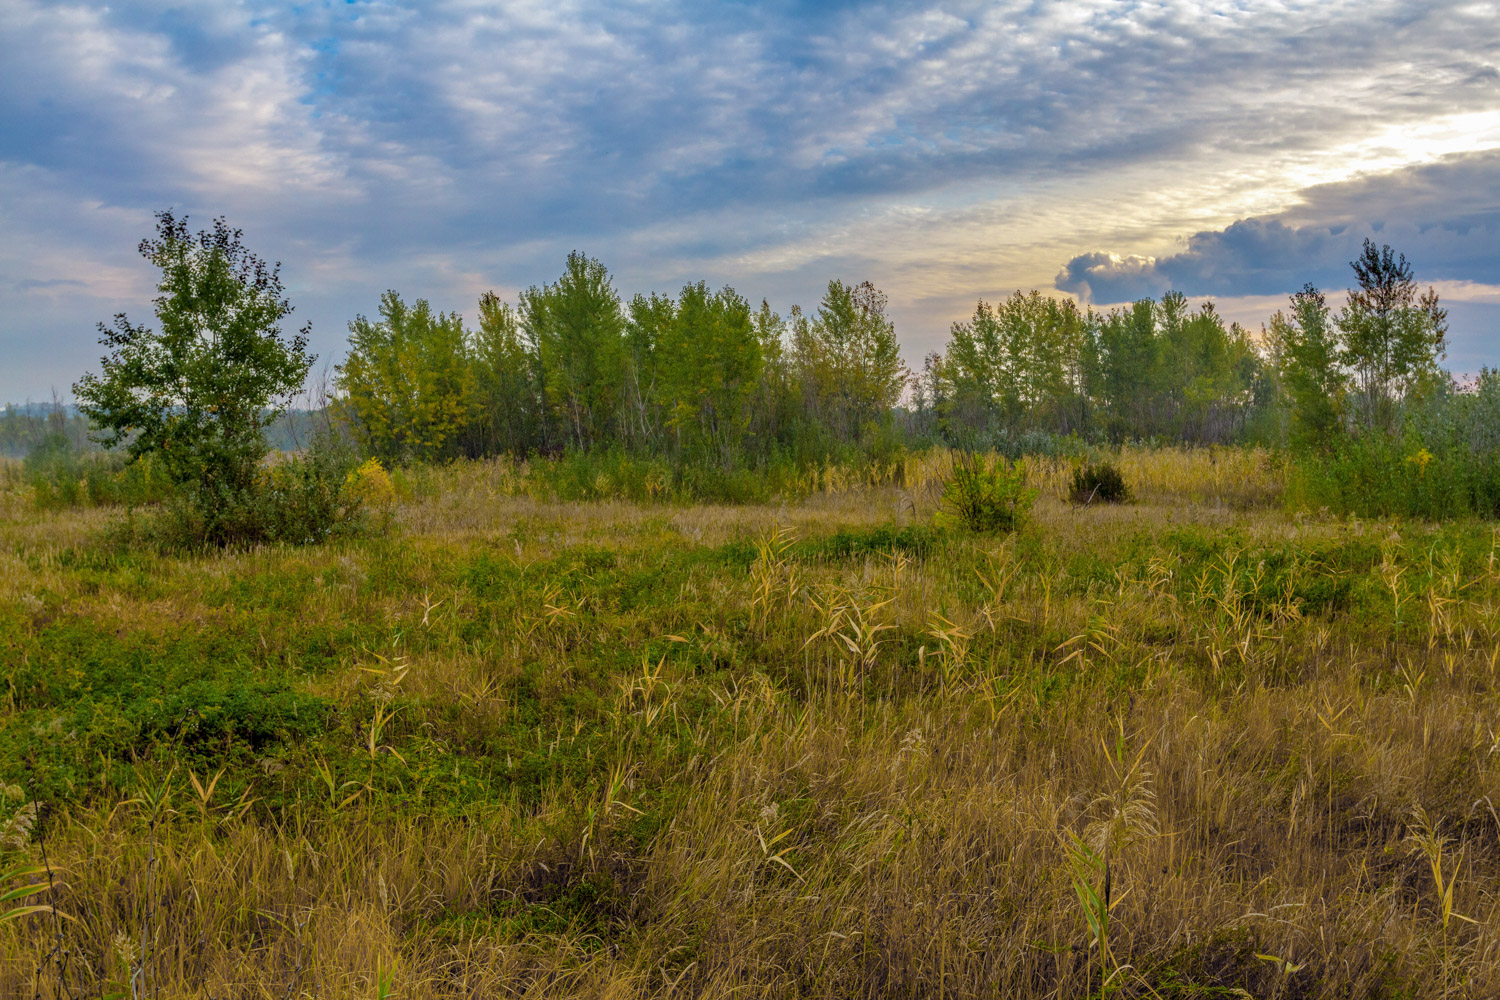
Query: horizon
(946, 152)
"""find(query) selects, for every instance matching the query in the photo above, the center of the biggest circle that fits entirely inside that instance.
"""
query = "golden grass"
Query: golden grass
(1289, 804)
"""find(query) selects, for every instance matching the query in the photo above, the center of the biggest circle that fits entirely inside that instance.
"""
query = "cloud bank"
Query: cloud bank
(1444, 216)
(946, 150)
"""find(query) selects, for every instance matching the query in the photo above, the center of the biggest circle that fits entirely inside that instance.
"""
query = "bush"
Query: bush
(61, 475)
(1381, 475)
(1098, 483)
(298, 500)
(987, 496)
(1444, 462)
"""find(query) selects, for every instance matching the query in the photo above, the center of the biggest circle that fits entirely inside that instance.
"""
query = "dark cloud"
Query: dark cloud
(1445, 217)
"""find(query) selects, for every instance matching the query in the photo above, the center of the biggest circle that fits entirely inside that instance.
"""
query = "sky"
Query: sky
(947, 152)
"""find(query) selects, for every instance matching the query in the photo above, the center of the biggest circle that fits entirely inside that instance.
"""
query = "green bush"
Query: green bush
(1098, 483)
(985, 496)
(1383, 475)
(61, 475)
(297, 500)
(1443, 461)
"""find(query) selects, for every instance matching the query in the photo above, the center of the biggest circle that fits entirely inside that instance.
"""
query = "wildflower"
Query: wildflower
(1420, 460)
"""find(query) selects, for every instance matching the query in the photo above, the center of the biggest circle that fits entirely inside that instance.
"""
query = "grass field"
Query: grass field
(1192, 746)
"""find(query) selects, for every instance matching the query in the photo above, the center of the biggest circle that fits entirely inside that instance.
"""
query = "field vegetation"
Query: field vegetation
(676, 648)
(1186, 746)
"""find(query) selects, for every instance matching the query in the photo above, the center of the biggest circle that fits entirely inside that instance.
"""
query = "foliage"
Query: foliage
(507, 412)
(987, 495)
(1034, 365)
(847, 359)
(63, 475)
(197, 394)
(406, 383)
(301, 499)
(575, 328)
(370, 486)
(1444, 462)
(1098, 482)
(1305, 351)
(1392, 338)
(1020, 360)
(708, 360)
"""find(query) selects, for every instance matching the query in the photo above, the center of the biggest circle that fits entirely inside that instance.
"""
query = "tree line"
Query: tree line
(711, 383)
(705, 377)
(702, 377)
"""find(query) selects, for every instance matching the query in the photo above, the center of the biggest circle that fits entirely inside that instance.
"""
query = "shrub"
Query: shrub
(61, 475)
(299, 500)
(1098, 483)
(1443, 463)
(987, 496)
(1381, 475)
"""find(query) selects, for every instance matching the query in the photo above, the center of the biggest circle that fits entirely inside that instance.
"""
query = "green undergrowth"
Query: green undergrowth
(251, 683)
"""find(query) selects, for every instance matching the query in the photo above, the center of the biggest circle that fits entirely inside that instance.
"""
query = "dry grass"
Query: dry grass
(884, 775)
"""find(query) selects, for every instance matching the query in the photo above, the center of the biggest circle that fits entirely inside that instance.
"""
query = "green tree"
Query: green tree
(1393, 338)
(1305, 350)
(506, 410)
(198, 393)
(1161, 369)
(405, 386)
(710, 364)
(848, 360)
(650, 321)
(1020, 359)
(576, 329)
(1127, 359)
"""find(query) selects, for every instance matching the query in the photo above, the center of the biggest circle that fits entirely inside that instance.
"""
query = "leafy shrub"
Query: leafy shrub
(987, 496)
(371, 485)
(1442, 462)
(299, 500)
(1098, 483)
(61, 475)
(1380, 475)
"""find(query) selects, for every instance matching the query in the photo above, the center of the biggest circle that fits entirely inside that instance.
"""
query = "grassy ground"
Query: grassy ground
(824, 749)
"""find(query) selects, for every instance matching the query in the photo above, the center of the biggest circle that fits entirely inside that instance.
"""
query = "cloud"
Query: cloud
(948, 149)
(1444, 216)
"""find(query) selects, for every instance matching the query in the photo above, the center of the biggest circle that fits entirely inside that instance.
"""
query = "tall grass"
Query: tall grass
(520, 746)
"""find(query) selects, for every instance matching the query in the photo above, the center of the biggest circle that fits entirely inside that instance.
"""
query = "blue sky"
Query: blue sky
(946, 151)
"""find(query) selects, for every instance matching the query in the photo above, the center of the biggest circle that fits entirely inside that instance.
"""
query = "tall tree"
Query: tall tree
(848, 359)
(506, 412)
(1019, 359)
(710, 362)
(406, 384)
(1305, 349)
(576, 328)
(1393, 338)
(198, 393)
(650, 323)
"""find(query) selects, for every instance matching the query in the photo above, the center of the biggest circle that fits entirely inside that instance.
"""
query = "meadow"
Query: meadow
(1194, 745)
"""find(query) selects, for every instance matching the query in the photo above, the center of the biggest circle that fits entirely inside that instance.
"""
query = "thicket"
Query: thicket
(1377, 425)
